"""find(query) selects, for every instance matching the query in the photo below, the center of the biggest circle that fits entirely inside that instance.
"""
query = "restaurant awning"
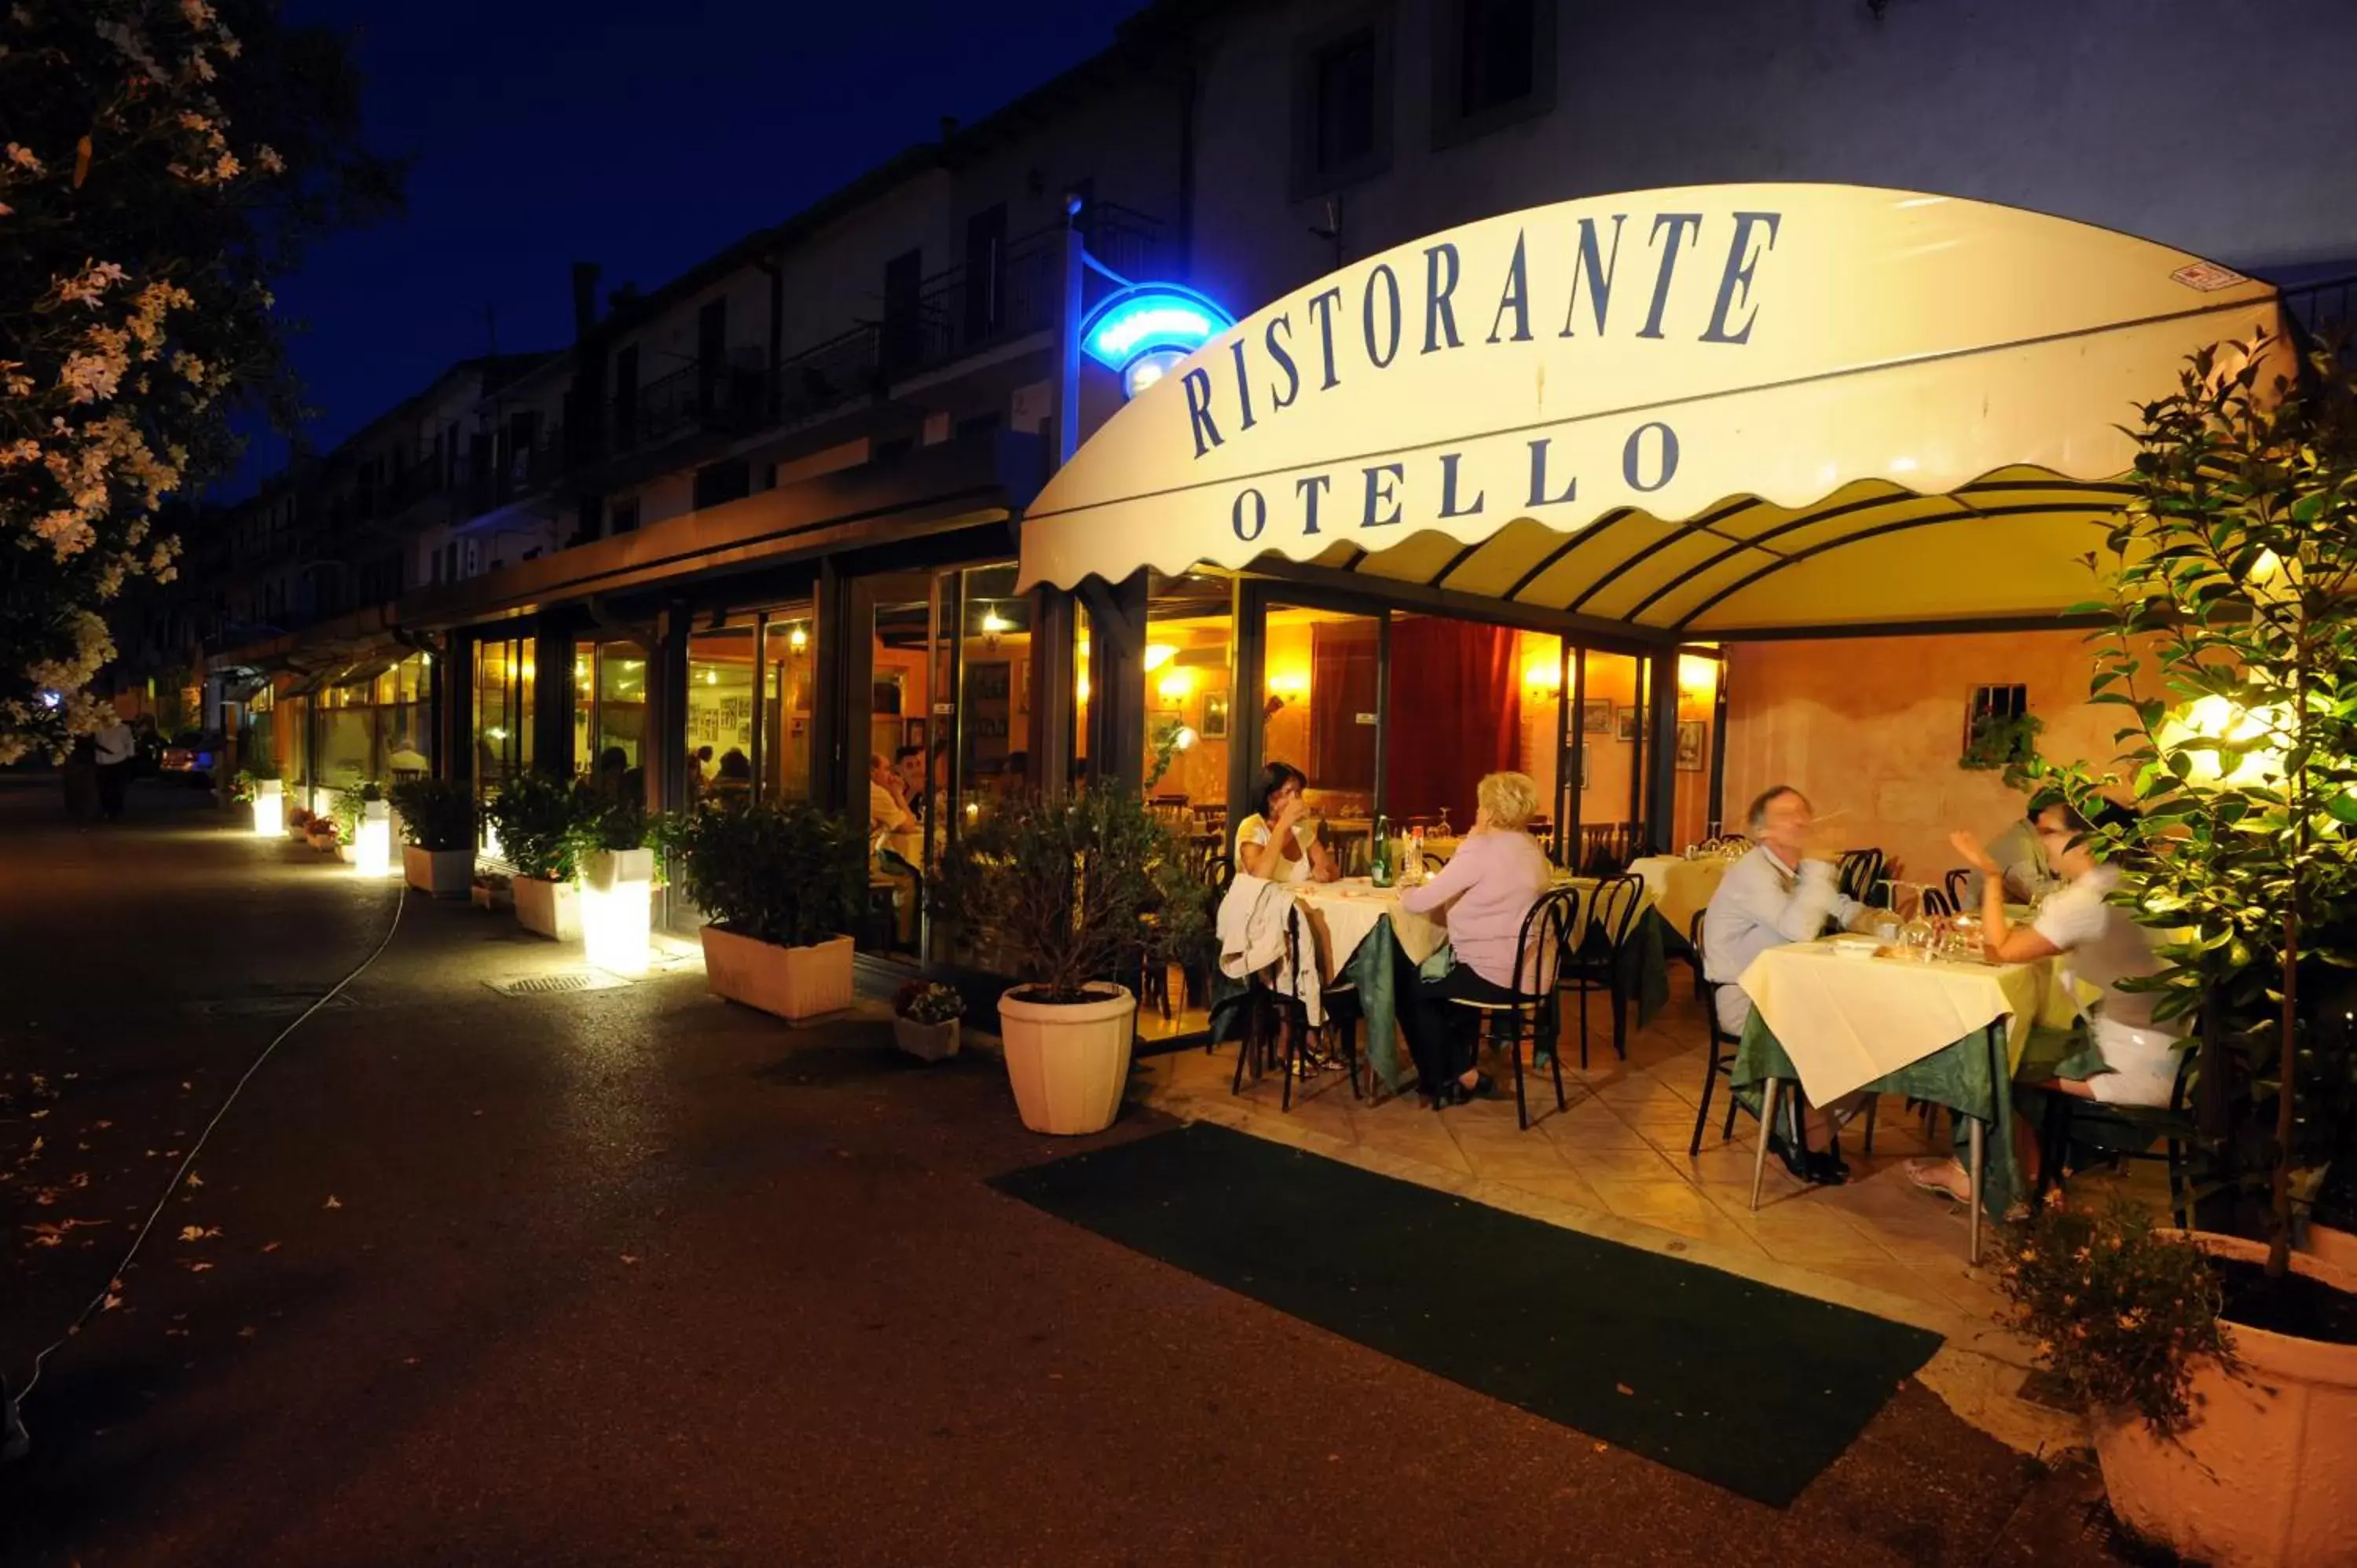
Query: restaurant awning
(1707, 410)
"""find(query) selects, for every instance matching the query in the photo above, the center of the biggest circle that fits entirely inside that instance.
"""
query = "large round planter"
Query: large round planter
(546, 908)
(2266, 1478)
(1068, 1063)
(796, 984)
(438, 873)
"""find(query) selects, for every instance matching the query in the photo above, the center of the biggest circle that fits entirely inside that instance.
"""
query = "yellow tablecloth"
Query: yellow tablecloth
(1343, 912)
(1680, 886)
(1846, 1022)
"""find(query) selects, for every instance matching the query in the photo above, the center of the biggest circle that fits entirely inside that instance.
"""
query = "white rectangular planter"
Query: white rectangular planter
(617, 893)
(439, 873)
(269, 808)
(795, 984)
(926, 1042)
(548, 908)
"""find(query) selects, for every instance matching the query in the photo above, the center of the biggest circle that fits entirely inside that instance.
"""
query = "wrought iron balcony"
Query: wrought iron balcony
(970, 310)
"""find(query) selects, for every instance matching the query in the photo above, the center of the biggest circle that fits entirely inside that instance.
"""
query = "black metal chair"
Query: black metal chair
(1593, 960)
(1858, 876)
(2068, 1117)
(1721, 1054)
(1958, 886)
(1937, 902)
(1276, 1021)
(1541, 950)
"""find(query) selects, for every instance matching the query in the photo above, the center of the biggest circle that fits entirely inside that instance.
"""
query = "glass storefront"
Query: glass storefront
(788, 688)
(503, 678)
(375, 729)
(610, 714)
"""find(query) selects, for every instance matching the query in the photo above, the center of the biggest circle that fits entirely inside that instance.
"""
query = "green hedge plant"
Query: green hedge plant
(436, 814)
(783, 873)
(538, 817)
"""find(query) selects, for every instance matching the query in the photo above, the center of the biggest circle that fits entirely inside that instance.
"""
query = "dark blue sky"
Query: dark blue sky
(642, 137)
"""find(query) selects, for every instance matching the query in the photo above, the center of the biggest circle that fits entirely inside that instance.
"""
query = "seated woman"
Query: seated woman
(1278, 842)
(2102, 946)
(1488, 886)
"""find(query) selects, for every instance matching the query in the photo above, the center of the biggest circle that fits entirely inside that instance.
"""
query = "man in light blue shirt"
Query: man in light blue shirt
(1781, 892)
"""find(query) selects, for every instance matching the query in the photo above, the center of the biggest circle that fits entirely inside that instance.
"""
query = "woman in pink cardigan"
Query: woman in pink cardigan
(1484, 891)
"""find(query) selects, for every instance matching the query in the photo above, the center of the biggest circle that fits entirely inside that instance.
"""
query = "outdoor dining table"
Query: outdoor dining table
(1949, 1031)
(1680, 886)
(1367, 941)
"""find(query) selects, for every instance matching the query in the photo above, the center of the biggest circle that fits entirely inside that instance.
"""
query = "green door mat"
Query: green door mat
(1751, 1388)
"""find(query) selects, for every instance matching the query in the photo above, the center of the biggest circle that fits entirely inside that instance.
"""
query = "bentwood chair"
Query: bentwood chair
(1720, 1053)
(1859, 873)
(1540, 952)
(1937, 903)
(1276, 1028)
(2068, 1119)
(1592, 961)
(1958, 885)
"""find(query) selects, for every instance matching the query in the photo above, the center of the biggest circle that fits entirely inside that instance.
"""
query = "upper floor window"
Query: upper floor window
(1492, 62)
(1342, 103)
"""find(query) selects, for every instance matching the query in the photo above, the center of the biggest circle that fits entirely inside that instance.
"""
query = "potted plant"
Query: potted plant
(437, 830)
(352, 812)
(538, 818)
(259, 784)
(925, 1014)
(2232, 653)
(781, 885)
(1063, 887)
(617, 877)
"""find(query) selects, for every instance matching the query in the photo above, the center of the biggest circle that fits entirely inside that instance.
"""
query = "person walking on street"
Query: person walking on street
(116, 747)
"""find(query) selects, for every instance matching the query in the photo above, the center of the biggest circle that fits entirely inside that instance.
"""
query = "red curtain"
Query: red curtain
(1456, 714)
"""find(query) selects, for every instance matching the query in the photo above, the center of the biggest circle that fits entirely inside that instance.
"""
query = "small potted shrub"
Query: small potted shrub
(351, 810)
(539, 818)
(925, 1014)
(327, 829)
(781, 885)
(1064, 889)
(617, 877)
(437, 830)
(259, 785)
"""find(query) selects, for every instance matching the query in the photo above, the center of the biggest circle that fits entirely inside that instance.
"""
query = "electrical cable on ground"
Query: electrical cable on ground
(114, 1278)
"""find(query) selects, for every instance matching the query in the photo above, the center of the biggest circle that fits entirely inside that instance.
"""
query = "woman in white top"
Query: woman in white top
(2100, 945)
(1277, 841)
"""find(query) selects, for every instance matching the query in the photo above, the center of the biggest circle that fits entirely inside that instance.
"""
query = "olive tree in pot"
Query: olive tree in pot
(538, 817)
(2230, 649)
(1064, 889)
(780, 884)
(437, 831)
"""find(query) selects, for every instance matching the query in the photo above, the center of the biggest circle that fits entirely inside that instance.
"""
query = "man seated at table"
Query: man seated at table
(1781, 892)
(2019, 855)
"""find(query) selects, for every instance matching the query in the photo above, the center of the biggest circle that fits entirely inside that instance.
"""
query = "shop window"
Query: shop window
(1320, 712)
(1342, 101)
(788, 661)
(1190, 698)
(1493, 63)
(721, 715)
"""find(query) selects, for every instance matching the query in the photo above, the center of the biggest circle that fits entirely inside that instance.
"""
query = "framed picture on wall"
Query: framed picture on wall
(1624, 723)
(1215, 717)
(1689, 759)
(913, 732)
(1596, 716)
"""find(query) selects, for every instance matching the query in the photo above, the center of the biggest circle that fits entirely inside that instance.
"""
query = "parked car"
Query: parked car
(189, 758)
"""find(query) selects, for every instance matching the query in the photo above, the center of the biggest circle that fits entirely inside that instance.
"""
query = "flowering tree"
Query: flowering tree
(161, 162)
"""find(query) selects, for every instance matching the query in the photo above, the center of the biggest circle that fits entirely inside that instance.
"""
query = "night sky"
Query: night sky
(643, 137)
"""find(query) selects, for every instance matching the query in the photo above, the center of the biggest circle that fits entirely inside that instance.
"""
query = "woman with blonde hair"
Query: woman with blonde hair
(1484, 892)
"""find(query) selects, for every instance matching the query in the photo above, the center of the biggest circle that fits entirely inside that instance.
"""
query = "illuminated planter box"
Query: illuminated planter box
(438, 873)
(269, 808)
(548, 908)
(618, 895)
(371, 846)
(795, 984)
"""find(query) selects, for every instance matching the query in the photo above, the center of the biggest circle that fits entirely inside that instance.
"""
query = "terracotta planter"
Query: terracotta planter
(795, 984)
(438, 873)
(2267, 1476)
(926, 1042)
(547, 908)
(1068, 1064)
(2327, 1245)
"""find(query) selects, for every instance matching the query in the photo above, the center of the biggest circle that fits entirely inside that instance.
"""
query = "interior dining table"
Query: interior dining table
(1681, 886)
(1949, 1030)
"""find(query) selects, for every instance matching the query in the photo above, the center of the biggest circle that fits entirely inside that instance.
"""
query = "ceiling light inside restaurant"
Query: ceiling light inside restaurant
(1158, 654)
(993, 623)
(1696, 675)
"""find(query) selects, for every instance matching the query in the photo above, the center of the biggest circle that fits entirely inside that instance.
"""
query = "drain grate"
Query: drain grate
(555, 984)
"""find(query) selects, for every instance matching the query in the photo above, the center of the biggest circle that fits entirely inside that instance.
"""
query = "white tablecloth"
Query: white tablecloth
(1847, 1021)
(1343, 912)
(1680, 886)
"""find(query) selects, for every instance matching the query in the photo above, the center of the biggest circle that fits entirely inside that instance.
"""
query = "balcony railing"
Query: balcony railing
(840, 371)
(513, 471)
(721, 399)
(968, 310)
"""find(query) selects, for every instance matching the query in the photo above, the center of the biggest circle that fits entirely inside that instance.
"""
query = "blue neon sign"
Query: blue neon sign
(1158, 319)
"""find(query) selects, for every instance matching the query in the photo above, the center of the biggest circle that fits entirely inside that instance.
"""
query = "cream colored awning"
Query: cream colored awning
(1707, 410)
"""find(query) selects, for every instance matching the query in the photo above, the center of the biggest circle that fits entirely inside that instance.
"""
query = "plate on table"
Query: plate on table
(1854, 947)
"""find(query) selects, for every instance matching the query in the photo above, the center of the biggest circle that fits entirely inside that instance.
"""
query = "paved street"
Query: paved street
(635, 1277)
